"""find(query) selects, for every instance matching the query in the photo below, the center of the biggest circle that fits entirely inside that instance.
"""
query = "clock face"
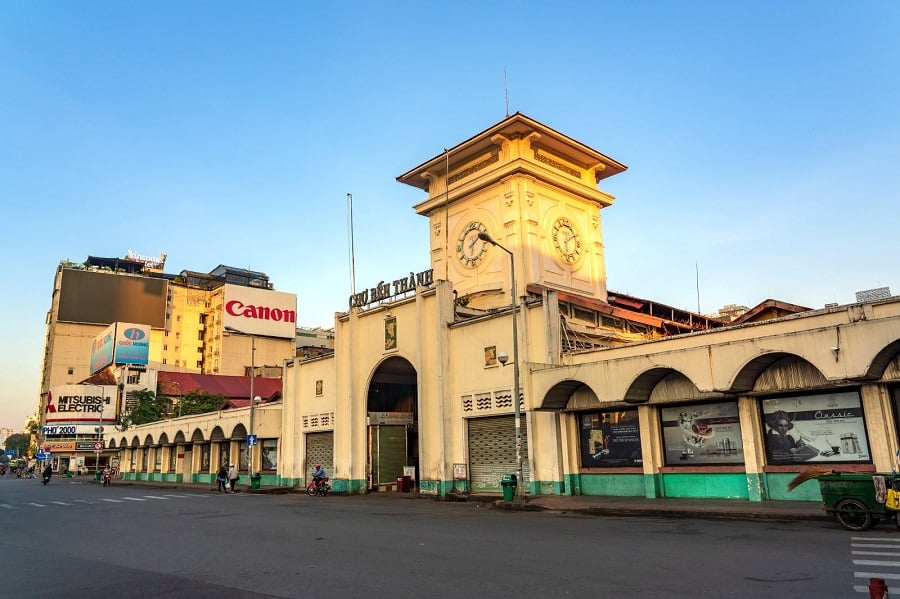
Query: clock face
(470, 249)
(566, 240)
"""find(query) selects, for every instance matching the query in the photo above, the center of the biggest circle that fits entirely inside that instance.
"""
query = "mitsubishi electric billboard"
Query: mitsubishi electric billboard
(81, 403)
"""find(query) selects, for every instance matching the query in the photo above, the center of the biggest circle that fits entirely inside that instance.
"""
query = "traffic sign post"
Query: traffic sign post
(251, 440)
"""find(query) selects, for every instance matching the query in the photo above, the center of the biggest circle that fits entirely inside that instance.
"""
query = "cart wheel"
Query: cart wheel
(853, 515)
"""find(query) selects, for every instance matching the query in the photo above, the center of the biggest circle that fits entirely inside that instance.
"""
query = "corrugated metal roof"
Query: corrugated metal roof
(175, 384)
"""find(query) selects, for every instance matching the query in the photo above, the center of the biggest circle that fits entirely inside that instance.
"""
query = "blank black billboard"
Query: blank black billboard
(104, 298)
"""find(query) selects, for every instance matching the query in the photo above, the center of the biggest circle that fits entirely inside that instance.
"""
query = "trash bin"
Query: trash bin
(254, 480)
(404, 484)
(509, 484)
(68, 474)
(97, 475)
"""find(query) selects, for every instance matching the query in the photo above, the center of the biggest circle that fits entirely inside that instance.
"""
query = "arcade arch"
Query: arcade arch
(392, 401)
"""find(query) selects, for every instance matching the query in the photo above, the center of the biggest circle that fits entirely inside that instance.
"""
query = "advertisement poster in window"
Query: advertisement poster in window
(815, 428)
(610, 439)
(702, 434)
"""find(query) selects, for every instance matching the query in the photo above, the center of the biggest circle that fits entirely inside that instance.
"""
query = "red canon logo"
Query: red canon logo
(238, 308)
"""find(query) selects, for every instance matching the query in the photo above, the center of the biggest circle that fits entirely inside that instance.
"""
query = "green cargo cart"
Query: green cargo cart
(851, 498)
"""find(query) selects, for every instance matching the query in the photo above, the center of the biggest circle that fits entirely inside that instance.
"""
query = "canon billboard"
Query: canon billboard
(260, 311)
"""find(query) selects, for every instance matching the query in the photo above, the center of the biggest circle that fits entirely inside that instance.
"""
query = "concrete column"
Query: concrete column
(652, 449)
(752, 440)
(880, 426)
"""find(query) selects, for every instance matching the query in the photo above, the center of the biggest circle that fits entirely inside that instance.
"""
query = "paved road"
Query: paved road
(77, 539)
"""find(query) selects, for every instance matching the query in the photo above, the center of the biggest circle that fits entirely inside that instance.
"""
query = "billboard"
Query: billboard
(260, 311)
(121, 343)
(81, 403)
(102, 349)
(93, 297)
(132, 343)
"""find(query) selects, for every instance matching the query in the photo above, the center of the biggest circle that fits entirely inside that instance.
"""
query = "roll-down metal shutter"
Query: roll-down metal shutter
(319, 450)
(492, 451)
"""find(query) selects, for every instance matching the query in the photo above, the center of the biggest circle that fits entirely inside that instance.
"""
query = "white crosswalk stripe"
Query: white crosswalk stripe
(37, 504)
(113, 500)
(60, 503)
(7, 506)
(134, 499)
(864, 548)
(156, 497)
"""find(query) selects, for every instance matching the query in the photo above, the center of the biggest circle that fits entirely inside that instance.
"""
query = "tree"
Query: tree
(200, 402)
(18, 442)
(147, 408)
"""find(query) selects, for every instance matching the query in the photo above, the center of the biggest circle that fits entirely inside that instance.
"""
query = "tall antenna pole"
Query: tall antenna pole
(352, 254)
(697, 269)
(506, 91)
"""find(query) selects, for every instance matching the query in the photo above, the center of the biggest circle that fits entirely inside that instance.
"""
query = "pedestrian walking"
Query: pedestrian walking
(232, 476)
(222, 480)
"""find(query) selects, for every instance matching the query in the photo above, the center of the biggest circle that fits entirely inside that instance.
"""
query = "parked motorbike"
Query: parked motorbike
(318, 488)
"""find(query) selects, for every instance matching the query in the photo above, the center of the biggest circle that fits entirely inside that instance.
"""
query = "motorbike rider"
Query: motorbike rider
(107, 475)
(319, 475)
(47, 473)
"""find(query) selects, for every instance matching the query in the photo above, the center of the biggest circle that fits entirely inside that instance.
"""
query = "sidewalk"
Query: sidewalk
(735, 509)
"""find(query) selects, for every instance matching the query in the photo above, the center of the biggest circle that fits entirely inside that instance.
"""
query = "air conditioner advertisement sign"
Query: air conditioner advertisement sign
(81, 403)
(102, 349)
(132, 343)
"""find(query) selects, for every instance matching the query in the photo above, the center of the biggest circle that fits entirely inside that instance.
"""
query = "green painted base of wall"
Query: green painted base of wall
(776, 483)
(614, 485)
(547, 487)
(720, 486)
(348, 486)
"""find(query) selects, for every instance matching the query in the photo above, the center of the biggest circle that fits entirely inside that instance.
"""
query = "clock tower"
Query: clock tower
(534, 191)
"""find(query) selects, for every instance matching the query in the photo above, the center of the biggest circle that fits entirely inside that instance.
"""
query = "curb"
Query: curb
(663, 512)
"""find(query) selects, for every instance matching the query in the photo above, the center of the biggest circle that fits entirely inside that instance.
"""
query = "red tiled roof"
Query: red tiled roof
(235, 388)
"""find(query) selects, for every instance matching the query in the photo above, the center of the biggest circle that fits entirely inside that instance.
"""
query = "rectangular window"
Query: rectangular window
(815, 429)
(269, 454)
(708, 433)
(173, 455)
(158, 466)
(610, 439)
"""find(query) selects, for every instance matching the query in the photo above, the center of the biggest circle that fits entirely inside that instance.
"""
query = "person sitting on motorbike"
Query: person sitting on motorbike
(107, 474)
(319, 475)
(48, 472)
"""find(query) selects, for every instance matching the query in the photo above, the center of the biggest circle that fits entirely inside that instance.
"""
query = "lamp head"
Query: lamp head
(503, 357)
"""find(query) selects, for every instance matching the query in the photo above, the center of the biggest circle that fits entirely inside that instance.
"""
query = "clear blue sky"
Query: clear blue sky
(762, 141)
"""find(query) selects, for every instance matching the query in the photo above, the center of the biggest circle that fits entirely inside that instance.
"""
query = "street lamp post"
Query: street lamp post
(520, 483)
(252, 376)
(99, 433)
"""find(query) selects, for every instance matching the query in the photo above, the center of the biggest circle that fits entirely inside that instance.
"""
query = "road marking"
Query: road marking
(180, 496)
(870, 539)
(867, 562)
(7, 506)
(874, 546)
(134, 499)
(112, 500)
(891, 553)
(876, 575)
(37, 504)
(155, 497)
(60, 503)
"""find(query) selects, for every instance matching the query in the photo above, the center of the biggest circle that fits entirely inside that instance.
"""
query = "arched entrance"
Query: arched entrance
(393, 431)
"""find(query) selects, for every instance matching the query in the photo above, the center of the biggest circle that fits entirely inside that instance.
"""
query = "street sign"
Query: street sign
(251, 440)
(12, 452)
(98, 445)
